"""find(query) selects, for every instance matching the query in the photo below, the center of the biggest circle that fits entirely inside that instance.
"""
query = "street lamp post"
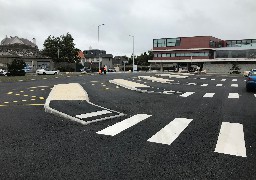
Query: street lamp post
(99, 31)
(132, 53)
(99, 41)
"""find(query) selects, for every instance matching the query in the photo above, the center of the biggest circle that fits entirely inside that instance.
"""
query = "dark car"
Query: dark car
(251, 81)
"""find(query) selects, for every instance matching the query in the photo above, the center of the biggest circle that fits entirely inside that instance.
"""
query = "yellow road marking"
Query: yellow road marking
(17, 94)
(25, 95)
(41, 98)
(15, 101)
(31, 90)
(21, 91)
(6, 102)
(42, 89)
(2, 105)
(9, 92)
(24, 100)
(33, 99)
(33, 96)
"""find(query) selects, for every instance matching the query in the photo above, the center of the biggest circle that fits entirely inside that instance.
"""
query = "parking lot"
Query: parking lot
(174, 126)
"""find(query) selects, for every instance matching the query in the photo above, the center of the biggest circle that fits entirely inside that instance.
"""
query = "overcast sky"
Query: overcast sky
(145, 19)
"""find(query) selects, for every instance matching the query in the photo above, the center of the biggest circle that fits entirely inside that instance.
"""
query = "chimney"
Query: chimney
(34, 40)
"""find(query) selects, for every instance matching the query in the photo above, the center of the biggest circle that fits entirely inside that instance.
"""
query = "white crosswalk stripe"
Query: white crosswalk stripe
(186, 94)
(123, 125)
(219, 85)
(92, 114)
(231, 140)
(233, 95)
(223, 79)
(209, 95)
(171, 131)
(234, 85)
(234, 79)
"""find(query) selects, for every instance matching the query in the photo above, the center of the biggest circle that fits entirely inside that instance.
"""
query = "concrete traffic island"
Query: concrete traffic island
(64, 96)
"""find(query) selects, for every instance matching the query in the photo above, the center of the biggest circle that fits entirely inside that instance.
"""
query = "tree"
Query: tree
(142, 60)
(16, 68)
(61, 49)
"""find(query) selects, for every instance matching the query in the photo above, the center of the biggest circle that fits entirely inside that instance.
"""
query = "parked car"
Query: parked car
(111, 70)
(251, 81)
(45, 72)
(16, 72)
(85, 70)
(3, 72)
(247, 72)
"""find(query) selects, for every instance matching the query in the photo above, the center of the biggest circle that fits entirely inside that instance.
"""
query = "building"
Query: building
(206, 52)
(19, 48)
(97, 58)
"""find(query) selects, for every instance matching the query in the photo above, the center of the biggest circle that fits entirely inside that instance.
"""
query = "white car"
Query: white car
(44, 72)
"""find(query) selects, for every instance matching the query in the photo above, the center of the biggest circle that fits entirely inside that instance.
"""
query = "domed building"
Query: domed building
(19, 48)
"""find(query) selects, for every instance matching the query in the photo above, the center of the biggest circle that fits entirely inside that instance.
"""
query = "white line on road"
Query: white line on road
(92, 114)
(234, 85)
(186, 94)
(219, 84)
(171, 131)
(223, 79)
(234, 79)
(123, 125)
(254, 95)
(231, 140)
(204, 85)
(212, 79)
(209, 95)
(233, 95)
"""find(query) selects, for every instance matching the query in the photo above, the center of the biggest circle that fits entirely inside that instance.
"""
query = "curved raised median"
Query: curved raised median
(71, 101)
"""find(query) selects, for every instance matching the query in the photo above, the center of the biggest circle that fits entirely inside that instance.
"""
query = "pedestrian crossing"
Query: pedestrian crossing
(230, 139)
(136, 86)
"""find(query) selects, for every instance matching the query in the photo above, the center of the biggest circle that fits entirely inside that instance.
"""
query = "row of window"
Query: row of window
(251, 53)
(182, 54)
(233, 43)
(168, 42)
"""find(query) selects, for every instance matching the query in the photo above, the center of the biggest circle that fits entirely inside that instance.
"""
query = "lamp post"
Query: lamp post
(99, 31)
(99, 41)
(132, 53)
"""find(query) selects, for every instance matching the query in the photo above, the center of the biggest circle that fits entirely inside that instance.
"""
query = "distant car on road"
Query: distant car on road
(251, 81)
(111, 70)
(46, 72)
(85, 70)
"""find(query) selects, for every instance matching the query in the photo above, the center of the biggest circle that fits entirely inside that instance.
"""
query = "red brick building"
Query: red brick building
(199, 50)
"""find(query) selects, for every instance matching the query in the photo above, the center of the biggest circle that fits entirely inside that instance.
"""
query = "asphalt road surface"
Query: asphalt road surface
(174, 127)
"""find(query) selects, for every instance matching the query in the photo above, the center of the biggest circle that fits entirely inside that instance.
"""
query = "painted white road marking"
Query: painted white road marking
(234, 79)
(209, 95)
(204, 85)
(231, 140)
(219, 85)
(254, 95)
(202, 78)
(233, 95)
(234, 85)
(171, 131)
(92, 114)
(123, 125)
(186, 94)
(212, 79)
(223, 79)
(191, 83)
